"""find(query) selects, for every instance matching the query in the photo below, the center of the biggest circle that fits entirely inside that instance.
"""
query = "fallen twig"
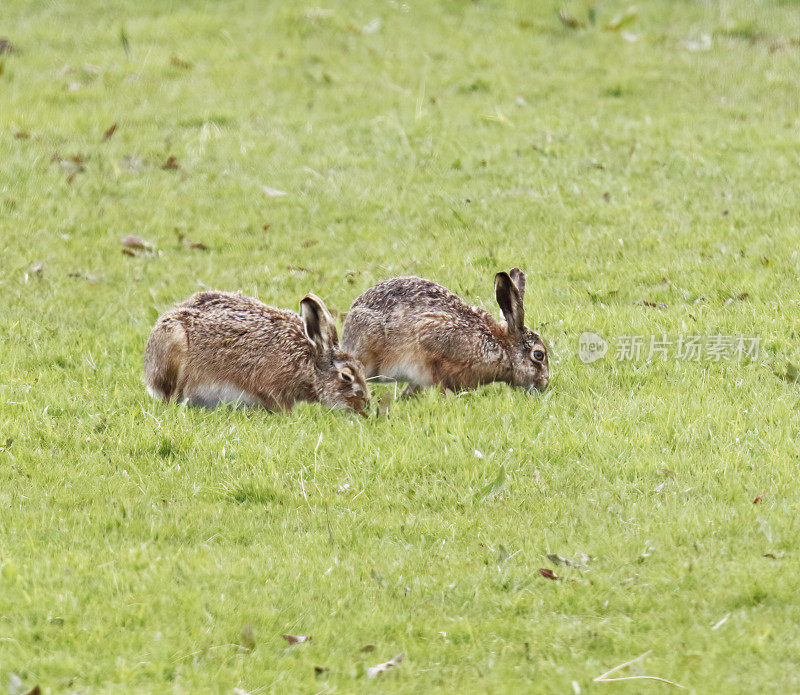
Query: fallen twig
(605, 679)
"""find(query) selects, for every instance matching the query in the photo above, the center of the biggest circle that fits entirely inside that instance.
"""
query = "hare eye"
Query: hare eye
(538, 355)
(347, 375)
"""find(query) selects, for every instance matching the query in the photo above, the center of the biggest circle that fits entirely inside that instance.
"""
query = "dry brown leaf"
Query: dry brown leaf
(319, 670)
(21, 134)
(569, 21)
(36, 690)
(376, 670)
(136, 242)
(297, 639)
(741, 297)
(107, 135)
(72, 164)
(758, 499)
(171, 163)
(368, 648)
(179, 62)
(547, 573)
(654, 305)
(199, 245)
(128, 252)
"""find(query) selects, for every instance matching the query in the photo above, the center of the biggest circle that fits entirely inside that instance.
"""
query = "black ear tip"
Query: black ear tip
(518, 278)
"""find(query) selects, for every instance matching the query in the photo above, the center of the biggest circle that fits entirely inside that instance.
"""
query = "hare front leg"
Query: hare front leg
(274, 404)
(410, 391)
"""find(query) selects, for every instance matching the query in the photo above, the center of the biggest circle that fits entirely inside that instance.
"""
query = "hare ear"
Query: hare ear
(519, 280)
(509, 298)
(318, 323)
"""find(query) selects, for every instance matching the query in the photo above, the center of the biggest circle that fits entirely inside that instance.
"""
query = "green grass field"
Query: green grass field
(646, 156)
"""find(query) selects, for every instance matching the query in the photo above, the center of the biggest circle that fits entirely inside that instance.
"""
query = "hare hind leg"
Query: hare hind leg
(164, 358)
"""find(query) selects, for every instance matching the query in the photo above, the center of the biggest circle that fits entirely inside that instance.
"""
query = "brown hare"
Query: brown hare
(220, 347)
(411, 329)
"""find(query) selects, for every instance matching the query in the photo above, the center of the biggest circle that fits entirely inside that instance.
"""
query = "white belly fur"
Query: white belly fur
(412, 373)
(212, 393)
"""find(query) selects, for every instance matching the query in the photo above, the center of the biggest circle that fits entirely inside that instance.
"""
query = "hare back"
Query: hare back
(395, 294)
(239, 349)
(399, 304)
